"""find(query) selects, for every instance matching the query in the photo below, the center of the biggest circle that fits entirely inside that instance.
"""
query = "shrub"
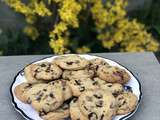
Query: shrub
(84, 25)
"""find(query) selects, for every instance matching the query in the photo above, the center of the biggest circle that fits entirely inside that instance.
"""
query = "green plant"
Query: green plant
(83, 26)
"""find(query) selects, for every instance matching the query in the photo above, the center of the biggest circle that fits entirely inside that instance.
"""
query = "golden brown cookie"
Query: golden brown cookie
(47, 98)
(71, 62)
(113, 74)
(20, 91)
(97, 104)
(80, 85)
(76, 74)
(127, 102)
(44, 71)
(75, 112)
(60, 114)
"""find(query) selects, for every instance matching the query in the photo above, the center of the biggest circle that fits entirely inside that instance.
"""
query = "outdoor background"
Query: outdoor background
(16, 40)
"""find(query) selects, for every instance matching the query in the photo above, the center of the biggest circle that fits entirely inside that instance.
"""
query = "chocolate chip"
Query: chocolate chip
(115, 94)
(28, 85)
(82, 88)
(43, 65)
(63, 88)
(29, 101)
(78, 82)
(85, 108)
(69, 63)
(75, 99)
(47, 70)
(110, 85)
(38, 98)
(102, 116)
(42, 113)
(99, 103)
(51, 95)
(96, 68)
(44, 89)
(93, 116)
(98, 96)
(51, 83)
(94, 82)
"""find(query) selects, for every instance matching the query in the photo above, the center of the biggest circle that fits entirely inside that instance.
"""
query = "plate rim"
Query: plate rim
(27, 117)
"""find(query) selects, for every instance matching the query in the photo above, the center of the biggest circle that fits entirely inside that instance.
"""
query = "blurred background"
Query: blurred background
(75, 26)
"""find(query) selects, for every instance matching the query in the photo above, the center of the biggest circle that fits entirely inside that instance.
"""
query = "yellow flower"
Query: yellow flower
(30, 19)
(69, 11)
(41, 9)
(59, 29)
(31, 32)
(111, 24)
(99, 14)
(83, 49)
(18, 6)
(58, 46)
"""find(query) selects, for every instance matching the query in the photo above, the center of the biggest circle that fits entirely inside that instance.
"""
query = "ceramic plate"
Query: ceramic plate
(30, 114)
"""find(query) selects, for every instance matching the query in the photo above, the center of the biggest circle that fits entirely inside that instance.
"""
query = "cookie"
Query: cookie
(29, 76)
(113, 74)
(48, 98)
(60, 114)
(46, 71)
(127, 102)
(67, 92)
(31, 93)
(20, 91)
(96, 63)
(114, 88)
(97, 81)
(75, 112)
(76, 74)
(71, 62)
(80, 85)
(97, 104)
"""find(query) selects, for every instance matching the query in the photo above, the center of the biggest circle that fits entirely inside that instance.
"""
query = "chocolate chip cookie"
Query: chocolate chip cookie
(44, 71)
(113, 74)
(127, 102)
(20, 91)
(29, 75)
(71, 62)
(96, 63)
(67, 92)
(48, 98)
(60, 114)
(75, 112)
(114, 88)
(80, 85)
(76, 74)
(97, 104)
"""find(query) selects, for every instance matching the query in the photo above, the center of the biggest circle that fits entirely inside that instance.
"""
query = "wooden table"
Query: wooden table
(144, 65)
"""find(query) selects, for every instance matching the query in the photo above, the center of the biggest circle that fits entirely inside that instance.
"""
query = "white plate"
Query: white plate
(30, 114)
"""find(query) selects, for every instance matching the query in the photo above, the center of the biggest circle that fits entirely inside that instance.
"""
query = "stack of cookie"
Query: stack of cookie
(72, 86)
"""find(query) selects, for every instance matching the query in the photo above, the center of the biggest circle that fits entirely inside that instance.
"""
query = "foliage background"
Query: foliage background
(13, 41)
